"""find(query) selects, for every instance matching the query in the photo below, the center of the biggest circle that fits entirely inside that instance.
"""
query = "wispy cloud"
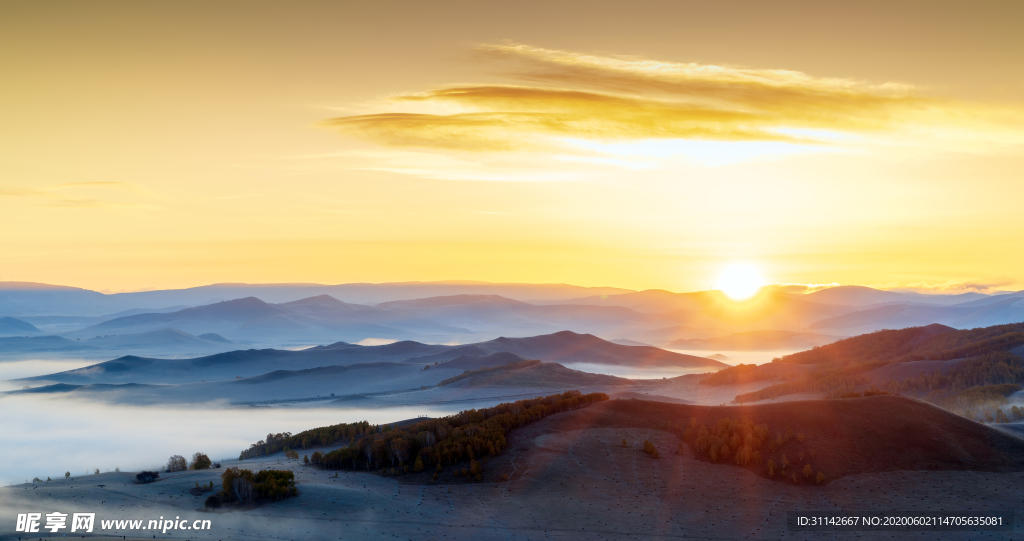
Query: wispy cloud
(610, 99)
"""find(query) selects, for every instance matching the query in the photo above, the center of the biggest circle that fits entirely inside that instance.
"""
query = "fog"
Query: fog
(632, 372)
(35, 367)
(44, 436)
(739, 357)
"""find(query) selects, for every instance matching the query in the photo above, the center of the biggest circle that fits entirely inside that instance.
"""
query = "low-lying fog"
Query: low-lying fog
(738, 357)
(45, 436)
(630, 372)
(36, 367)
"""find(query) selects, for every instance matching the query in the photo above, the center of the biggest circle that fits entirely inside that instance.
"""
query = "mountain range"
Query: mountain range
(778, 318)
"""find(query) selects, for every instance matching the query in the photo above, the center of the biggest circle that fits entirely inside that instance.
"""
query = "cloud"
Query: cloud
(584, 97)
(952, 287)
(503, 116)
(786, 95)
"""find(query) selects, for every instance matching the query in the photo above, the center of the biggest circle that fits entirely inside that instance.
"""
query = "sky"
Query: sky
(631, 144)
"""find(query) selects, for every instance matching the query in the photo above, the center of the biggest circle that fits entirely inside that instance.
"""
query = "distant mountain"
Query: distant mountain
(995, 310)
(10, 326)
(758, 340)
(711, 312)
(864, 296)
(854, 296)
(23, 298)
(168, 340)
(161, 341)
(503, 316)
(28, 298)
(306, 320)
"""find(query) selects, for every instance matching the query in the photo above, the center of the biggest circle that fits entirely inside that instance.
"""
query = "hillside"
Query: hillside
(10, 326)
(476, 362)
(849, 437)
(536, 375)
(848, 364)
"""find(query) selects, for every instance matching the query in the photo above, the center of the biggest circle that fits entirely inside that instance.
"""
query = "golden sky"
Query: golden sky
(630, 144)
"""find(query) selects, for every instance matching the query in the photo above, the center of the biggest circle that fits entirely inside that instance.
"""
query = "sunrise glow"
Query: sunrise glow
(740, 281)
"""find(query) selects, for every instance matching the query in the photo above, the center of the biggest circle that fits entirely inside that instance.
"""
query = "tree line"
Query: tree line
(989, 369)
(749, 445)
(316, 437)
(467, 436)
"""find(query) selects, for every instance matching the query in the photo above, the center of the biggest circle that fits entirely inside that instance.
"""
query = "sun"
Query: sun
(740, 281)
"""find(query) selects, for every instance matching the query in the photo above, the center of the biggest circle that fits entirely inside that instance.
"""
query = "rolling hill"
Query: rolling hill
(559, 347)
(10, 326)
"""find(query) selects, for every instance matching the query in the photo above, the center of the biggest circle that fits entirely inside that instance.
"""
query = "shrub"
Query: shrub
(176, 463)
(200, 462)
(470, 434)
(650, 449)
(213, 502)
(275, 484)
(821, 478)
(147, 476)
(237, 484)
(807, 470)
